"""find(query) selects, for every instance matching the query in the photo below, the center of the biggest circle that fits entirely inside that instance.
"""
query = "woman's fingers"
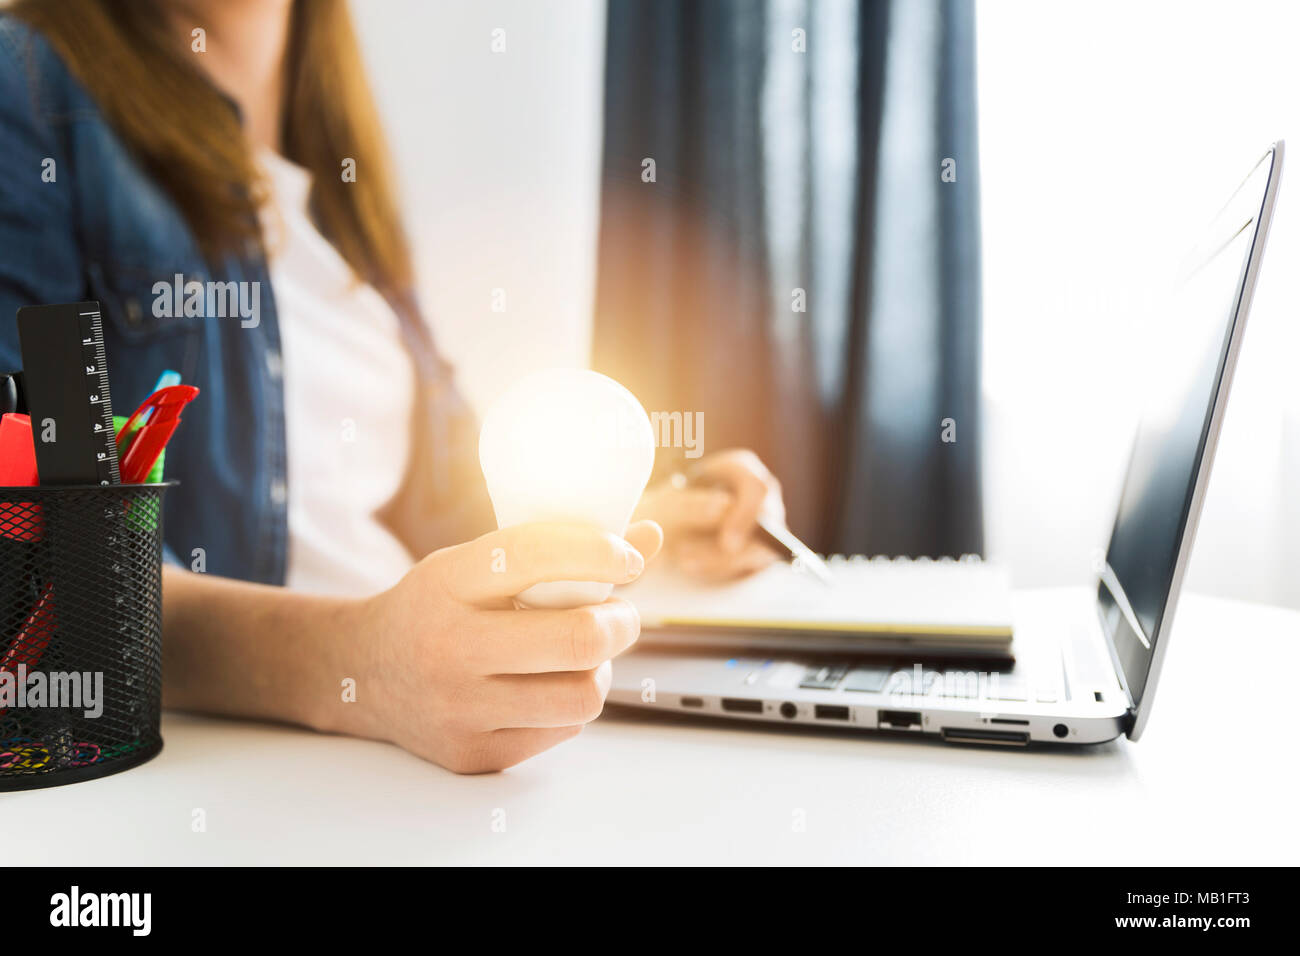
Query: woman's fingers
(687, 509)
(754, 491)
(646, 536)
(505, 562)
(545, 700)
(538, 641)
(738, 525)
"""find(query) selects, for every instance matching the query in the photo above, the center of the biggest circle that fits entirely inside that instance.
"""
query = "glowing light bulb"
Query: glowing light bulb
(566, 445)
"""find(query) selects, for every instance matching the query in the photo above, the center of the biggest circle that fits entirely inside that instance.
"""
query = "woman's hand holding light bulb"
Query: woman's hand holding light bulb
(473, 684)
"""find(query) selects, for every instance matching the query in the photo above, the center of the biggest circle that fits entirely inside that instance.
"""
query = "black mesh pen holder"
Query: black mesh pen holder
(81, 634)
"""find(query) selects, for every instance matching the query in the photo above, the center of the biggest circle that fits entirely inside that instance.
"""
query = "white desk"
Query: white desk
(1202, 787)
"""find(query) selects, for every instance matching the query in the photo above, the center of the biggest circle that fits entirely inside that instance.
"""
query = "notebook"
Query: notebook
(880, 604)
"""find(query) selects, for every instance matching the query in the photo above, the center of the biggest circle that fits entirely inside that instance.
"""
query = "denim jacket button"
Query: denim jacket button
(134, 314)
(279, 493)
(274, 364)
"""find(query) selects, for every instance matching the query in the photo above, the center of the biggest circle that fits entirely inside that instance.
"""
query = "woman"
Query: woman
(211, 172)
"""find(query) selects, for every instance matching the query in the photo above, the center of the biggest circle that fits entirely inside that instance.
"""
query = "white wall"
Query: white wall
(498, 155)
(1110, 132)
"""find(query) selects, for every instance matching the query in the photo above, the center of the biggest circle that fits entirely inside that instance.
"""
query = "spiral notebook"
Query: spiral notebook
(946, 606)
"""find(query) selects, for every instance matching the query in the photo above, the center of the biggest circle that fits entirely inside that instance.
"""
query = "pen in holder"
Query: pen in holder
(80, 631)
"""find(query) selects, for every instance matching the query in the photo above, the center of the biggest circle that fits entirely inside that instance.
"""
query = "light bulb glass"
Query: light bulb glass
(566, 445)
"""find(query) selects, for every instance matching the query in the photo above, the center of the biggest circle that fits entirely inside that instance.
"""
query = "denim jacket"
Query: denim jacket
(80, 219)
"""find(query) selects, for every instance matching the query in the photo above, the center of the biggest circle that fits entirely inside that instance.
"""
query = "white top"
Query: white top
(652, 791)
(349, 387)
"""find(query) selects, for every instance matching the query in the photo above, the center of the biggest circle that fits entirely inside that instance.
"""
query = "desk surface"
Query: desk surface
(1204, 786)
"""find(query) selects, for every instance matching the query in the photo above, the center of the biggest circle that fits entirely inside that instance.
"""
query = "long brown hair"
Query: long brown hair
(188, 137)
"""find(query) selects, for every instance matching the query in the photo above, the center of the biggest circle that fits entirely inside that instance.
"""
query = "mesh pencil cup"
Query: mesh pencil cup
(80, 631)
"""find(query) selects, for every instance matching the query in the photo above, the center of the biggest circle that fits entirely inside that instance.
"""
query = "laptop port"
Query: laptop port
(737, 705)
(789, 711)
(900, 719)
(1002, 738)
(692, 701)
(831, 712)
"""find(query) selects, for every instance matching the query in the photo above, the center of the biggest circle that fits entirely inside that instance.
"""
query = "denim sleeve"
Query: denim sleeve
(40, 258)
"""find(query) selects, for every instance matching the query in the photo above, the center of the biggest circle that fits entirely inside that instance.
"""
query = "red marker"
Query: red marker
(163, 409)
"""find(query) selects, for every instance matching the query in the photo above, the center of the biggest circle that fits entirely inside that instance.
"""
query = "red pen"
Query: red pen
(163, 408)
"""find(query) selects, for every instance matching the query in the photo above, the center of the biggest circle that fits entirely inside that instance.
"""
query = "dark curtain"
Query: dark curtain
(800, 261)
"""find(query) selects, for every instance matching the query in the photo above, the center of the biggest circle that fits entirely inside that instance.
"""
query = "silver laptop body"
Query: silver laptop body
(1085, 670)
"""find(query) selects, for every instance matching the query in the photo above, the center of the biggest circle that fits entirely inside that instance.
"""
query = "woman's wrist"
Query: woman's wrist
(340, 692)
(251, 650)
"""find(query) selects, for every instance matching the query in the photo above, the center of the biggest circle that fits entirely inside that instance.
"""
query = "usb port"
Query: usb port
(900, 719)
(692, 701)
(737, 705)
(831, 712)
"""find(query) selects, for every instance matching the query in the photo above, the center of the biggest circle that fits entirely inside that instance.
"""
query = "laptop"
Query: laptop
(1084, 671)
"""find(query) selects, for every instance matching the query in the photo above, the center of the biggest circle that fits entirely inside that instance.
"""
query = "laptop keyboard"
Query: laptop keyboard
(869, 680)
(915, 680)
(823, 678)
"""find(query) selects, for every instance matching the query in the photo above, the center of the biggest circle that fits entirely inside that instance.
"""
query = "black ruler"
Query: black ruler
(66, 379)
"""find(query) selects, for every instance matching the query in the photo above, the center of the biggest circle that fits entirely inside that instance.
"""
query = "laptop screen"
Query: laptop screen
(1159, 501)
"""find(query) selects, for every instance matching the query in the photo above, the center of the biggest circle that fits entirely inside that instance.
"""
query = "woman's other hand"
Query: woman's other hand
(710, 518)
